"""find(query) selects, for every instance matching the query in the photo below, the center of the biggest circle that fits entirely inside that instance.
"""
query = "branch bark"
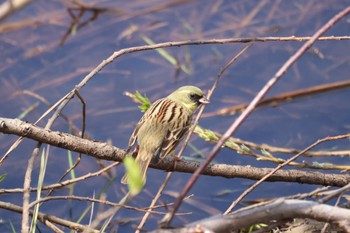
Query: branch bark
(277, 210)
(102, 150)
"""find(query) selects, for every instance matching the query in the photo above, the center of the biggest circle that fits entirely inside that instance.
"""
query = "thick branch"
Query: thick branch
(279, 209)
(104, 151)
(63, 140)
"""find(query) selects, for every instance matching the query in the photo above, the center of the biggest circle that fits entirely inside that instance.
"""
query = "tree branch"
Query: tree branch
(102, 150)
(279, 209)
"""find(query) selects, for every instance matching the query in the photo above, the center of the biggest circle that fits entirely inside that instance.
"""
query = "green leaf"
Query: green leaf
(143, 100)
(210, 134)
(133, 173)
(279, 160)
(70, 164)
(321, 165)
(3, 176)
(245, 148)
(266, 153)
(43, 165)
(13, 229)
(232, 145)
(28, 110)
(198, 129)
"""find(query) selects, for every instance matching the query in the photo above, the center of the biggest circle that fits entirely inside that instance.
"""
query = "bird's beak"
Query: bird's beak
(203, 101)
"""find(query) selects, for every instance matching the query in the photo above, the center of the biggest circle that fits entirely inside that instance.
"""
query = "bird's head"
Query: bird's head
(189, 96)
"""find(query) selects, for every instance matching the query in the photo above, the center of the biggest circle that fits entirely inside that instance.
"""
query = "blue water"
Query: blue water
(32, 59)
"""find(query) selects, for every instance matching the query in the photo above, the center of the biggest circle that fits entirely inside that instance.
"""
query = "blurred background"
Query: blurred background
(48, 47)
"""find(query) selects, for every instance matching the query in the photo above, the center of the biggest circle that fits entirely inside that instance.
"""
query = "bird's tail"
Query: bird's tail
(143, 160)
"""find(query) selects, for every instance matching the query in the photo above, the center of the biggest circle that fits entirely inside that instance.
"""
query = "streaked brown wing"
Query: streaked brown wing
(174, 137)
(147, 115)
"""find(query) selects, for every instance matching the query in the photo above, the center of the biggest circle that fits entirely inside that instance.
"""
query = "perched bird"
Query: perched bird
(164, 125)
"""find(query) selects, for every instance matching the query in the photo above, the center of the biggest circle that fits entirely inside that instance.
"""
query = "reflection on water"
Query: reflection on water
(36, 71)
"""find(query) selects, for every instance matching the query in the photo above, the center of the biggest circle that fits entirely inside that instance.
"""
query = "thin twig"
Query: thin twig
(26, 189)
(46, 217)
(79, 198)
(77, 161)
(64, 183)
(334, 193)
(326, 225)
(287, 96)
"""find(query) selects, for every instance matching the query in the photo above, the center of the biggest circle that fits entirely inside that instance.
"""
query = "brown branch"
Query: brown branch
(63, 140)
(105, 151)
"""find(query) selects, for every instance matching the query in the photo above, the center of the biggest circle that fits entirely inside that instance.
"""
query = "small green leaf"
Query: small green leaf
(133, 173)
(245, 148)
(232, 145)
(266, 153)
(143, 100)
(3, 176)
(13, 229)
(198, 129)
(210, 134)
(279, 160)
(28, 110)
(321, 165)
(256, 227)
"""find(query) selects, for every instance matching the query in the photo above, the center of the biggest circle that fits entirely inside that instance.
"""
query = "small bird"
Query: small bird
(163, 126)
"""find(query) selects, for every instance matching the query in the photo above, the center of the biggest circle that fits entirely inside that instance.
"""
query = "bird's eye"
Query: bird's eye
(195, 97)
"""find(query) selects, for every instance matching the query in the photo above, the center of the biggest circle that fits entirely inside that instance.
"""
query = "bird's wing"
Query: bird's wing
(133, 136)
(147, 116)
(174, 137)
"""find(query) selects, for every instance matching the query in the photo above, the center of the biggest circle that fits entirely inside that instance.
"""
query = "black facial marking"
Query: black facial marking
(195, 97)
